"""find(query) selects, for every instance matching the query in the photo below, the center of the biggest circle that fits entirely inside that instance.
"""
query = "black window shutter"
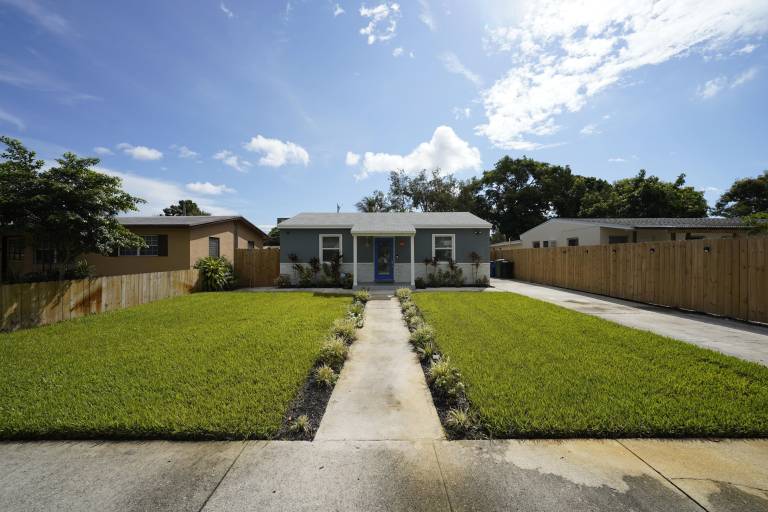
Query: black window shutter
(162, 242)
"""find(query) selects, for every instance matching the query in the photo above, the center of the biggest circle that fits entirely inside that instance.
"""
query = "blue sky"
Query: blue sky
(271, 108)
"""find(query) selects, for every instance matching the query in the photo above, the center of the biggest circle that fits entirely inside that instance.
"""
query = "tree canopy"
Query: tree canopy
(746, 196)
(70, 206)
(184, 207)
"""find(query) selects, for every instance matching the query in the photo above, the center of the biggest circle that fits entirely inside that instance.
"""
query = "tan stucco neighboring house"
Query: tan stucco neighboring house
(560, 232)
(173, 243)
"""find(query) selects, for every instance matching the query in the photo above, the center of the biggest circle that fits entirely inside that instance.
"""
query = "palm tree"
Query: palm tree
(376, 202)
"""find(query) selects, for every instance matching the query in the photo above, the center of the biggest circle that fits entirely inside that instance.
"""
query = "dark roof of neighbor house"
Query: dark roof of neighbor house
(666, 222)
(385, 222)
(184, 221)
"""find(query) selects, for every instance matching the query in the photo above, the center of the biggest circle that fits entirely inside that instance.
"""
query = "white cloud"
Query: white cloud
(452, 63)
(383, 21)
(101, 150)
(565, 52)
(227, 12)
(462, 113)
(184, 151)
(208, 188)
(352, 159)
(746, 49)
(397, 51)
(445, 151)
(160, 194)
(47, 19)
(426, 16)
(140, 152)
(12, 119)
(590, 129)
(277, 153)
(230, 159)
(338, 11)
(712, 88)
(617, 159)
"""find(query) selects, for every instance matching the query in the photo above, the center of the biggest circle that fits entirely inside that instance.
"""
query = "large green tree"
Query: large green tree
(746, 196)
(184, 207)
(70, 207)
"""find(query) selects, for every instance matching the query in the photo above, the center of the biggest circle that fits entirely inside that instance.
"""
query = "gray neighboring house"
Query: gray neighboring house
(387, 247)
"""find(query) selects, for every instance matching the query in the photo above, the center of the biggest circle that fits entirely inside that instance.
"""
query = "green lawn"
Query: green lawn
(533, 369)
(208, 365)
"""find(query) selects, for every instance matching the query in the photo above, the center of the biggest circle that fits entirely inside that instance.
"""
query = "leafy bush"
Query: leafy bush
(216, 273)
(304, 274)
(362, 296)
(459, 421)
(403, 294)
(325, 376)
(483, 281)
(445, 379)
(80, 270)
(301, 425)
(421, 336)
(427, 351)
(410, 312)
(420, 283)
(406, 304)
(333, 353)
(346, 281)
(356, 313)
(452, 276)
(415, 322)
(344, 329)
(283, 281)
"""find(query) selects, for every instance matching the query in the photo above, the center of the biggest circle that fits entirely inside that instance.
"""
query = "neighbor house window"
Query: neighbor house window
(330, 247)
(536, 245)
(45, 254)
(15, 249)
(617, 239)
(573, 242)
(444, 247)
(251, 244)
(553, 243)
(152, 248)
(546, 243)
(214, 247)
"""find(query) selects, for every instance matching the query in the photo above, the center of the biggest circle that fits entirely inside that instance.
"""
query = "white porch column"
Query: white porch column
(354, 260)
(413, 263)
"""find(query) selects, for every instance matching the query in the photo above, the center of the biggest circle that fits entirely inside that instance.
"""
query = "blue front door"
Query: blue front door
(384, 259)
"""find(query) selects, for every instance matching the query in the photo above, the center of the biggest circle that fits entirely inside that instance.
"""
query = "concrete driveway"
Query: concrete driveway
(572, 475)
(740, 339)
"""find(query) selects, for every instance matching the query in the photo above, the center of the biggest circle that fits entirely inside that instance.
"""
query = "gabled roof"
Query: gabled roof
(184, 221)
(385, 222)
(665, 222)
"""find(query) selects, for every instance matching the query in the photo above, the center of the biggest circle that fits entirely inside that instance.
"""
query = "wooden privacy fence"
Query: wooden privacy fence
(30, 304)
(257, 267)
(727, 277)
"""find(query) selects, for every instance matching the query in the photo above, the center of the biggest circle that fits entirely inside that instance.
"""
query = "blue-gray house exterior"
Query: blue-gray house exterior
(388, 247)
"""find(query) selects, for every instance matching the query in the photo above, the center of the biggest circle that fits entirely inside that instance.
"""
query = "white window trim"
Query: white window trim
(121, 251)
(320, 245)
(453, 244)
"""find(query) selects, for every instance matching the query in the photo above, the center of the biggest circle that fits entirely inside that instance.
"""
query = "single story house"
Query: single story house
(387, 247)
(173, 243)
(564, 232)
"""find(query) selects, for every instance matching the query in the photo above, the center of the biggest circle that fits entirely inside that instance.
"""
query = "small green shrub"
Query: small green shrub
(459, 421)
(420, 283)
(410, 312)
(357, 313)
(445, 379)
(325, 376)
(346, 281)
(305, 275)
(362, 296)
(421, 336)
(283, 281)
(301, 425)
(483, 281)
(403, 294)
(333, 353)
(216, 273)
(427, 351)
(406, 304)
(415, 322)
(345, 329)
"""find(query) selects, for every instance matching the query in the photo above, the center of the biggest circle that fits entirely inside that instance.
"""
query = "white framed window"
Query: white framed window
(330, 246)
(444, 247)
(152, 248)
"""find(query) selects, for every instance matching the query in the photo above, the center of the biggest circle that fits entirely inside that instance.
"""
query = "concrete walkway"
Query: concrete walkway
(381, 393)
(543, 476)
(730, 337)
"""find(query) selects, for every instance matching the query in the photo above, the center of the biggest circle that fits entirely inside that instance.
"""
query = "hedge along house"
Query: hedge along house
(388, 248)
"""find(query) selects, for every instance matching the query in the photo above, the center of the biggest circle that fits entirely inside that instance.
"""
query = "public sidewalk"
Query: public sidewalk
(381, 393)
(730, 337)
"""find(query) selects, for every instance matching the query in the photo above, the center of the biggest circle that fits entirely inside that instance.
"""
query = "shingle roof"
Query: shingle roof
(666, 223)
(181, 221)
(389, 222)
